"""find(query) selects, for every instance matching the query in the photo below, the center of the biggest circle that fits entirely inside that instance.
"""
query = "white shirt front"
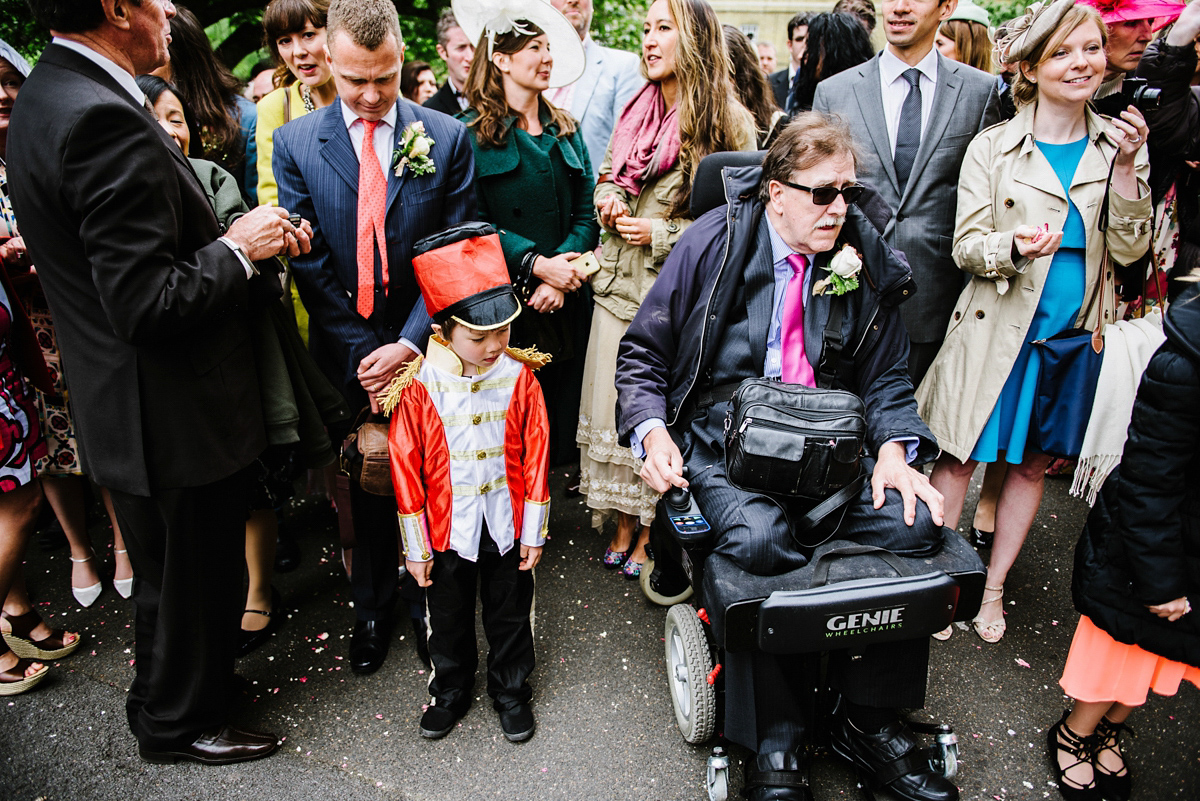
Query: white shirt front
(896, 88)
(385, 135)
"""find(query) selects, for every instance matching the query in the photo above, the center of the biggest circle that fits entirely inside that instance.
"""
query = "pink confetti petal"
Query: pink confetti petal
(1022, 663)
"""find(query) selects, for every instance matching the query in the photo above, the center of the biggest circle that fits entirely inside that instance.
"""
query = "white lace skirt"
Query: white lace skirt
(608, 471)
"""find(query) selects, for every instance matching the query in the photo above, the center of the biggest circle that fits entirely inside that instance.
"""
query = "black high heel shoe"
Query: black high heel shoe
(1116, 786)
(1061, 739)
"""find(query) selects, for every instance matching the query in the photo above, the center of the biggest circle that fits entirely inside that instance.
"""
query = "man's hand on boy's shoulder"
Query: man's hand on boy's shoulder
(530, 556)
(420, 571)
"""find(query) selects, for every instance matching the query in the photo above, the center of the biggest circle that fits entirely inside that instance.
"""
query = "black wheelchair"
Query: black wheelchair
(847, 596)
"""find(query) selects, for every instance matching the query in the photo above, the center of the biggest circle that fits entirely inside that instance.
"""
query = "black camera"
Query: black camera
(1138, 93)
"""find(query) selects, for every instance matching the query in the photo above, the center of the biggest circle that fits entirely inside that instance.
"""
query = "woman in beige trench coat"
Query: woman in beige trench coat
(1035, 255)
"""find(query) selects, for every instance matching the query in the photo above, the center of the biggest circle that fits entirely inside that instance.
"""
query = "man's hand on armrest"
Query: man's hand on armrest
(662, 466)
(892, 471)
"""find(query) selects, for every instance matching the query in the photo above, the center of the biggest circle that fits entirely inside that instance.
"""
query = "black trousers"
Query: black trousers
(376, 563)
(769, 696)
(187, 547)
(507, 598)
(376, 554)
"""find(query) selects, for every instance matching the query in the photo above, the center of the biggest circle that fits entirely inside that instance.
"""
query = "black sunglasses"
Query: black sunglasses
(824, 195)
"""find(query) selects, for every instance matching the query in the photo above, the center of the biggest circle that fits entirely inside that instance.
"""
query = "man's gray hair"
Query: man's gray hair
(366, 22)
(810, 138)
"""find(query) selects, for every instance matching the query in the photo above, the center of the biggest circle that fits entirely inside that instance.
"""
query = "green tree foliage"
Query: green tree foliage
(1001, 11)
(235, 27)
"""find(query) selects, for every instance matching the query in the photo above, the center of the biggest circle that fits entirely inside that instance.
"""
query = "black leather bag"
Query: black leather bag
(793, 441)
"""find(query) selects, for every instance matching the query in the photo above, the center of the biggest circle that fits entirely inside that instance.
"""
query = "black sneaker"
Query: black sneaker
(517, 723)
(437, 722)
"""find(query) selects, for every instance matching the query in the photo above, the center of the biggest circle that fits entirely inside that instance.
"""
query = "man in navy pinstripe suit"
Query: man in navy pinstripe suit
(358, 285)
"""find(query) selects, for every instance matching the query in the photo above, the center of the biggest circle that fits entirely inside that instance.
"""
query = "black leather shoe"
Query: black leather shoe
(222, 746)
(892, 759)
(438, 721)
(777, 776)
(369, 645)
(421, 639)
(517, 723)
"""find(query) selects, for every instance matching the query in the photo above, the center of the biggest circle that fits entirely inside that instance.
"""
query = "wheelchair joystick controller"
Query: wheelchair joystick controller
(684, 515)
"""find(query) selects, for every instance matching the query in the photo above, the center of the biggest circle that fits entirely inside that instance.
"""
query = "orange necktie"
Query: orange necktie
(372, 205)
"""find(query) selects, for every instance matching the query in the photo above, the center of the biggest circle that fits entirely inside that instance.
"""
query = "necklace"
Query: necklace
(306, 96)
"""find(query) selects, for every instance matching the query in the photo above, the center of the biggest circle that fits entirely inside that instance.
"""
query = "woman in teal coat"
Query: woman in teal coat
(534, 183)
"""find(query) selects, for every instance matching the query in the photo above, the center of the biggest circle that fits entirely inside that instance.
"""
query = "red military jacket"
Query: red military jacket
(469, 449)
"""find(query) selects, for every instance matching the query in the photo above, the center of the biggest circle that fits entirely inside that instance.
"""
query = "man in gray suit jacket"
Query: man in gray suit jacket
(914, 113)
(608, 81)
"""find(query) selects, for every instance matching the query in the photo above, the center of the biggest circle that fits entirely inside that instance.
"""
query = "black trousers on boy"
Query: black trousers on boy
(507, 597)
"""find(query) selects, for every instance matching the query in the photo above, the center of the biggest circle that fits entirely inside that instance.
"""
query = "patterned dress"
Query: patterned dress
(62, 456)
(21, 443)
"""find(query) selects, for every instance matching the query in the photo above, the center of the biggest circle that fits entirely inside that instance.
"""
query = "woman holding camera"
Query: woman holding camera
(1029, 201)
(687, 110)
(534, 182)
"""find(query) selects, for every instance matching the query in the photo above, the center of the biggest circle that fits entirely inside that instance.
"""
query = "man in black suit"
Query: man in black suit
(457, 51)
(150, 306)
(781, 81)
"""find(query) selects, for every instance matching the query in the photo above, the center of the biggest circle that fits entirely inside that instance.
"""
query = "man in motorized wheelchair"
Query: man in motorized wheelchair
(747, 292)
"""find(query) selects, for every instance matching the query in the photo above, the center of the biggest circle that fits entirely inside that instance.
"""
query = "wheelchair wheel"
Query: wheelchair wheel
(646, 580)
(688, 664)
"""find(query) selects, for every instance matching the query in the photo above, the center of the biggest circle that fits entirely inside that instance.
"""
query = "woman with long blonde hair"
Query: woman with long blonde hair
(687, 110)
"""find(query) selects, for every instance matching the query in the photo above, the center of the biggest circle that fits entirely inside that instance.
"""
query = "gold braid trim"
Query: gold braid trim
(404, 376)
(531, 356)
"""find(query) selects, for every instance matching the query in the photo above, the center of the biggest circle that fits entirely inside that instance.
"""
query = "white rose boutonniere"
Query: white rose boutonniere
(844, 268)
(413, 151)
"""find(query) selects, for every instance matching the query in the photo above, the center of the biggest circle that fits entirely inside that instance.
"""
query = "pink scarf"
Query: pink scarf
(645, 141)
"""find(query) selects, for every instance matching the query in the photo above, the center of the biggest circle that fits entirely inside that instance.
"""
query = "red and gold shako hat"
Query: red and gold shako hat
(463, 277)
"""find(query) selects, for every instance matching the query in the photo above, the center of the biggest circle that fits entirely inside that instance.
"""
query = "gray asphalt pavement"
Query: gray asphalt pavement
(605, 724)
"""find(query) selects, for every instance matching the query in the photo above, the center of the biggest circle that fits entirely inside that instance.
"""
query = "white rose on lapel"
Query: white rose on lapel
(413, 151)
(844, 268)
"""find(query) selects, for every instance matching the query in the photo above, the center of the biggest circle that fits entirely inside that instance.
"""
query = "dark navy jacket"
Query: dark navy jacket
(668, 350)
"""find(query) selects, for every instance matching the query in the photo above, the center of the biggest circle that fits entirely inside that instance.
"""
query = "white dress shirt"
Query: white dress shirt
(896, 88)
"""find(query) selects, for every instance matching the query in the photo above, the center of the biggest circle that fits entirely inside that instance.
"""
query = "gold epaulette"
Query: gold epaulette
(531, 356)
(405, 376)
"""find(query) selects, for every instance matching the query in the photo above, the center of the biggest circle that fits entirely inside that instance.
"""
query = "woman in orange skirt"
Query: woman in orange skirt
(1135, 570)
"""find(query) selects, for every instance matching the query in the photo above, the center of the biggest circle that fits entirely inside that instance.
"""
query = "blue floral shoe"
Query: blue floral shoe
(615, 559)
(631, 569)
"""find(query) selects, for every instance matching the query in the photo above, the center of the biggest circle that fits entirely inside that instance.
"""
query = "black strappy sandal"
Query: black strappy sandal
(1117, 786)
(1061, 739)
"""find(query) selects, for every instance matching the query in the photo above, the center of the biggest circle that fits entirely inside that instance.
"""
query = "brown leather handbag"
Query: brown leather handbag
(365, 454)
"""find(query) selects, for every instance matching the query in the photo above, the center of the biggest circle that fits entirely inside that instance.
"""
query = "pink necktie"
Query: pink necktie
(372, 203)
(795, 366)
